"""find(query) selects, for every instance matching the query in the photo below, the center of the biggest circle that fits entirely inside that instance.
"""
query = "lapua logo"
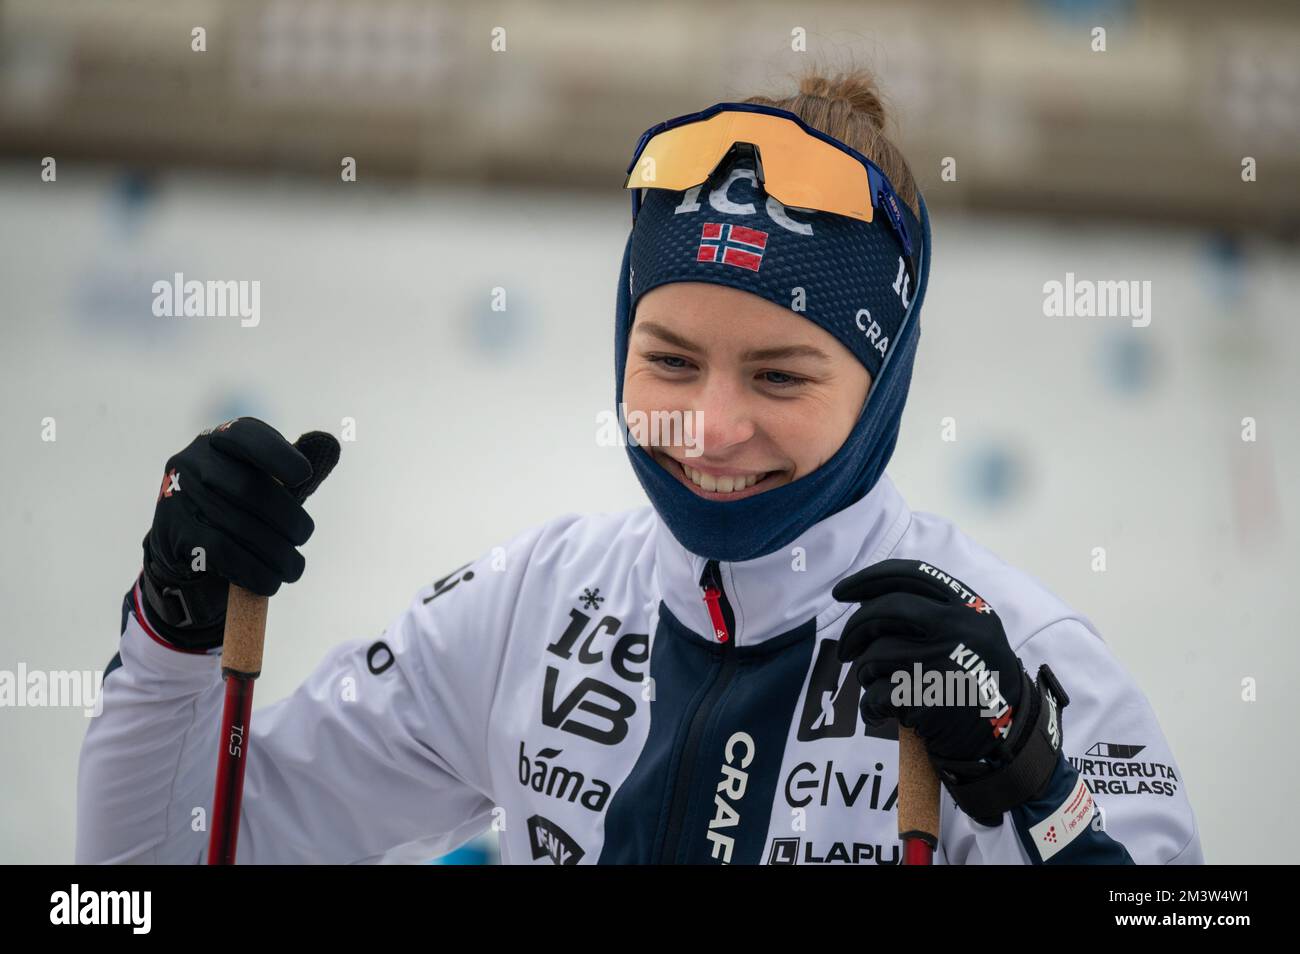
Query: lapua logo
(785, 851)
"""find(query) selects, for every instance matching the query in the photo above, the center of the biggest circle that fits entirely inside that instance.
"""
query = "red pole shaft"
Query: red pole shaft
(229, 794)
(917, 851)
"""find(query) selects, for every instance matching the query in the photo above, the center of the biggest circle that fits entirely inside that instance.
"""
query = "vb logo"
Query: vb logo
(595, 709)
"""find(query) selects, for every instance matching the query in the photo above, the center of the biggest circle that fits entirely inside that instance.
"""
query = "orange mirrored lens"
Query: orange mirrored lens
(799, 170)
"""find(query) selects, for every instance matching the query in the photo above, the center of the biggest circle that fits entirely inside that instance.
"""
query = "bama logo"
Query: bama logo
(542, 775)
(731, 245)
(830, 706)
(786, 851)
(548, 840)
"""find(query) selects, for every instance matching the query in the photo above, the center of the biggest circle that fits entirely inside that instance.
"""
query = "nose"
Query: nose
(724, 416)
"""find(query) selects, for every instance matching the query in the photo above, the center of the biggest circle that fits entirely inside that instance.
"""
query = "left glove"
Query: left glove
(914, 613)
(235, 492)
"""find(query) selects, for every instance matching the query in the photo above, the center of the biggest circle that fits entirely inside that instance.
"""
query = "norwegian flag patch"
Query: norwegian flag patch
(732, 245)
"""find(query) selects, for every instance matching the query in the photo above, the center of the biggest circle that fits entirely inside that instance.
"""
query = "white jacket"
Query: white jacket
(568, 690)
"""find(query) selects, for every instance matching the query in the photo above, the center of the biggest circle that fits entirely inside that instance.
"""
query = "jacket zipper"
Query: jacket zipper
(720, 611)
(715, 597)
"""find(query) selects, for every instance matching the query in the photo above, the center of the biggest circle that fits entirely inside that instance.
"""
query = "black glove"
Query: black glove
(913, 613)
(236, 492)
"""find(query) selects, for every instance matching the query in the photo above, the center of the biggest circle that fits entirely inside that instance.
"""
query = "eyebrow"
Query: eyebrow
(758, 354)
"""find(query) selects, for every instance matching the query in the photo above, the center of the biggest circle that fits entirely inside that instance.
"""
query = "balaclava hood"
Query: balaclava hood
(845, 275)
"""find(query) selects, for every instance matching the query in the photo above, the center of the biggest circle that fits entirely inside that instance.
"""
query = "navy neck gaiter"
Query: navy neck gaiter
(850, 282)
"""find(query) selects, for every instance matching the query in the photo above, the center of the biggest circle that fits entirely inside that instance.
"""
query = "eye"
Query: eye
(779, 379)
(671, 362)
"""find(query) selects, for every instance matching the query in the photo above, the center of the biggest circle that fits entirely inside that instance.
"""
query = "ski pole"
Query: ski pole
(241, 664)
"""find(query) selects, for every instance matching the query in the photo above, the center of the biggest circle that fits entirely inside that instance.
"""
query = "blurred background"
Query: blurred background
(490, 142)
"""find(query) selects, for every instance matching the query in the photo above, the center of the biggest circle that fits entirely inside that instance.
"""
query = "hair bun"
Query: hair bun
(855, 88)
(847, 106)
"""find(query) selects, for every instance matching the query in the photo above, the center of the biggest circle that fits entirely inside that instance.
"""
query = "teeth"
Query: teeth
(724, 485)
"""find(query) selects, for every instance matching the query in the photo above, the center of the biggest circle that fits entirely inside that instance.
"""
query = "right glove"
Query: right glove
(229, 509)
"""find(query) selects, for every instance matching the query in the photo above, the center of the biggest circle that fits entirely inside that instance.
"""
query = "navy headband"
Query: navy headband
(847, 276)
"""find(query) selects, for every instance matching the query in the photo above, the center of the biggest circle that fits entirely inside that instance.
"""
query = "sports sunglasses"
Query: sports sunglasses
(801, 167)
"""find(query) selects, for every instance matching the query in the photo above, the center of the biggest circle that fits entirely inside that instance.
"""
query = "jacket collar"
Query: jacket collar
(773, 594)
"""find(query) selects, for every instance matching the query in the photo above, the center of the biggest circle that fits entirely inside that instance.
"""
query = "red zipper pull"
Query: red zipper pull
(711, 596)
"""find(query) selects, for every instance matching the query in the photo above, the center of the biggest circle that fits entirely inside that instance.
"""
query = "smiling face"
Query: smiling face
(775, 394)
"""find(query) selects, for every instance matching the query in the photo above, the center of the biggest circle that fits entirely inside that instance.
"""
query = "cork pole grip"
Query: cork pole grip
(918, 788)
(245, 632)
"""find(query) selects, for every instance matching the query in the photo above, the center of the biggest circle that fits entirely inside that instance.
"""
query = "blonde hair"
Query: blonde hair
(847, 106)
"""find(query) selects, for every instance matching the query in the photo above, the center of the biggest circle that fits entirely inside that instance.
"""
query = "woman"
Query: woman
(718, 677)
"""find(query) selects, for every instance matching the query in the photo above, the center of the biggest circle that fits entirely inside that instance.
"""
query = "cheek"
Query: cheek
(635, 386)
(811, 431)
(802, 431)
(644, 390)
